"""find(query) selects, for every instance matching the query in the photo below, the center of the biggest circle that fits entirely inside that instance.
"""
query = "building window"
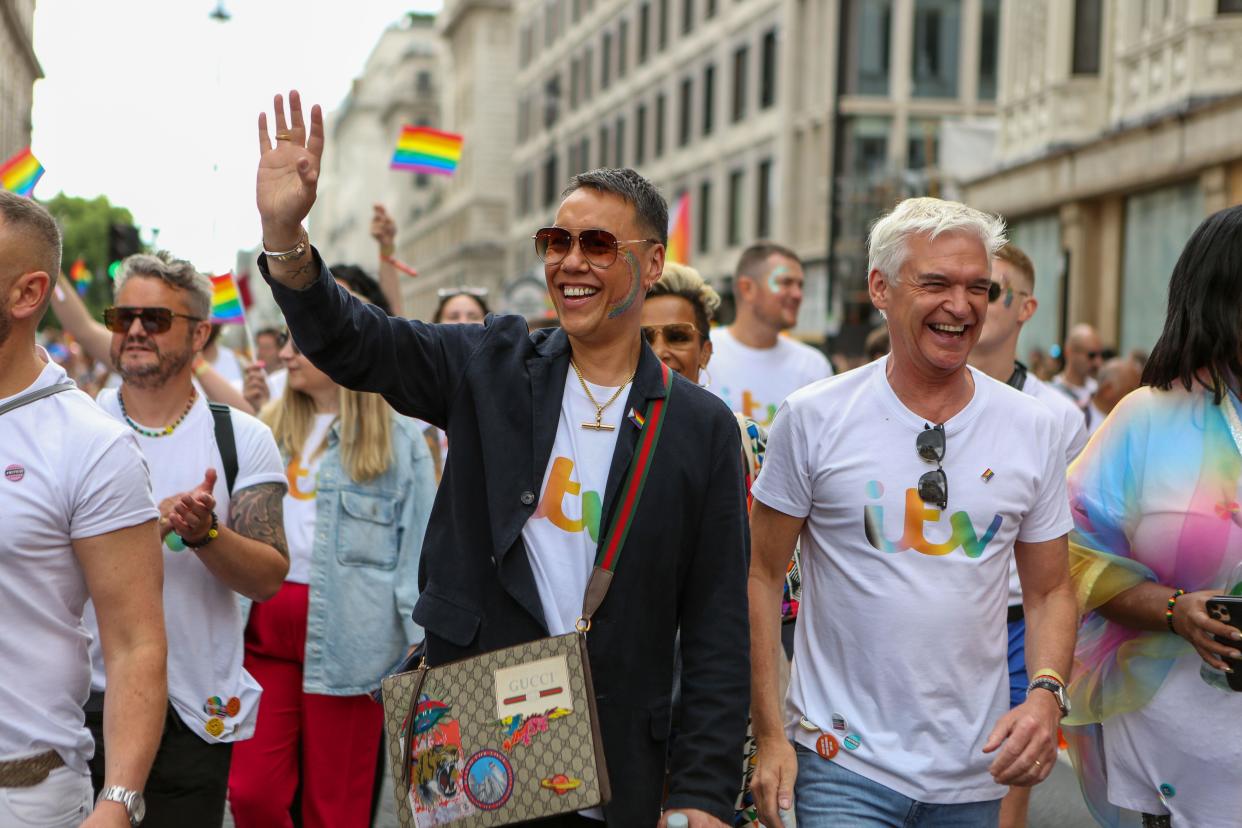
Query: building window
(575, 82)
(603, 146)
(659, 125)
(575, 11)
(989, 43)
(549, 25)
(618, 154)
(922, 144)
(421, 181)
(763, 200)
(523, 120)
(662, 23)
(605, 61)
(687, 109)
(767, 83)
(623, 48)
(550, 181)
(584, 152)
(867, 50)
(644, 32)
(865, 148)
(524, 194)
(423, 82)
(740, 60)
(1157, 223)
(709, 9)
(640, 135)
(736, 179)
(588, 61)
(704, 210)
(937, 25)
(687, 16)
(1229, 6)
(525, 46)
(1087, 32)
(551, 101)
(709, 98)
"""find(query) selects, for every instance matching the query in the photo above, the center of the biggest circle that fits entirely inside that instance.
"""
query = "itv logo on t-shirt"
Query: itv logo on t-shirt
(918, 514)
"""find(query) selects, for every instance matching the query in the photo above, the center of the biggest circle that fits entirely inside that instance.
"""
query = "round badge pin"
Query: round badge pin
(807, 725)
(214, 727)
(1168, 791)
(14, 473)
(827, 746)
(838, 722)
(232, 707)
(852, 742)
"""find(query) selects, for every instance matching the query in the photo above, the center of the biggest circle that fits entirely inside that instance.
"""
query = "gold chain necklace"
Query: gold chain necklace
(599, 424)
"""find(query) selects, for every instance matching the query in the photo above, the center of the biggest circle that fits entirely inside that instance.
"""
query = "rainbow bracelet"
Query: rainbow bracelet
(1168, 613)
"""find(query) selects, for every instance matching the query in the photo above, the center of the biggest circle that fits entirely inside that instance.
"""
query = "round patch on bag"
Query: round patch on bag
(489, 780)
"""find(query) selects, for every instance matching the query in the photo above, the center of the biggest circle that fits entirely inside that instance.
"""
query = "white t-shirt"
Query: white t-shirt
(755, 381)
(1080, 394)
(302, 475)
(229, 366)
(202, 615)
(562, 535)
(276, 382)
(900, 647)
(70, 472)
(1073, 441)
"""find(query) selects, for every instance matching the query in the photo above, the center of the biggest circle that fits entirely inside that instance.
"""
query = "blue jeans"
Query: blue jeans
(827, 795)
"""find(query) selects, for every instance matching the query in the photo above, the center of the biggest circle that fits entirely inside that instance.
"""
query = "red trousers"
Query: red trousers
(331, 742)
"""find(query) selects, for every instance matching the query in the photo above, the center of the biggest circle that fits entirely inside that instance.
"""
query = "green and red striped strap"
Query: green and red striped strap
(610, 550)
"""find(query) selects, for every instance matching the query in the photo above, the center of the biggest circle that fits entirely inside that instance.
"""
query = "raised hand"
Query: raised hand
(288, 172)
(255, 388)
(384, 230)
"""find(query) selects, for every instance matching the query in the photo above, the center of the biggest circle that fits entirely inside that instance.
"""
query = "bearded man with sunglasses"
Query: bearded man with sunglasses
(910, 479)
(543, 426)
(221, 537)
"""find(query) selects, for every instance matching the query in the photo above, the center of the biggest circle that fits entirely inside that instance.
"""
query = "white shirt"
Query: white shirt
(69, 472)
(301, 511)
(901, 631)
(1095, 418)
(1073, 441)
(562, 535)
(755, 381)
(276, 382)
(229, 366)
(202, 615)
(1080, 394)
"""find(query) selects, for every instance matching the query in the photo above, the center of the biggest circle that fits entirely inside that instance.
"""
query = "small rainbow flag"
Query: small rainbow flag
(20, 173)
(678, 248)
(427, 150)
(80, 275)
(226, 305)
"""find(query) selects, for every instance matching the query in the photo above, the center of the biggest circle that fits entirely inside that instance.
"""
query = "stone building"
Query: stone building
(1119, 126)
(19, 69)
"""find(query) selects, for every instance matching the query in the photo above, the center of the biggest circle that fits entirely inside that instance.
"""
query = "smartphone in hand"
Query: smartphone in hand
(1228, 610)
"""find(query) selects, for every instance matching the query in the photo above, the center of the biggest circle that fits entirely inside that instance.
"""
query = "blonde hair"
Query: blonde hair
(684, 281)
(886, 244)
(365, 429)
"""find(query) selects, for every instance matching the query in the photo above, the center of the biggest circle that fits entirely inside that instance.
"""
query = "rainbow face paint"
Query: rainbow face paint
(626, 303)
(775, 283)
(1008, 296)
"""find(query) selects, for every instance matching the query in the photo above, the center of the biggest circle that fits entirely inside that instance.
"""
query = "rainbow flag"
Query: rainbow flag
(80, 275)
(20, 173)
(226, 305)
(678, 247)
(427, 150)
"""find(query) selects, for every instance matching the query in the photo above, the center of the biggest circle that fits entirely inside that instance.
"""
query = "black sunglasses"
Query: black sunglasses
(933, 485)
(599, 247)
(674, 333)
(283, 339)
(994, 291)
(154, 320)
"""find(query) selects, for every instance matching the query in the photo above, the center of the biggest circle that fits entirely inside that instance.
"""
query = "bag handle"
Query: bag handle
(609, 552)
(35, 396)
(403, 771)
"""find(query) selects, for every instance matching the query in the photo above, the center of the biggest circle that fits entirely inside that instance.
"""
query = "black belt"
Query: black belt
(1016, 613)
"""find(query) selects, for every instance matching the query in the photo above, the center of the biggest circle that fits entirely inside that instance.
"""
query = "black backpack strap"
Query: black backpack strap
(225, 441)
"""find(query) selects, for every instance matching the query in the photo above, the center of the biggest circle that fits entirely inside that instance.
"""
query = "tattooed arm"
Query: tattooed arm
(250, 555)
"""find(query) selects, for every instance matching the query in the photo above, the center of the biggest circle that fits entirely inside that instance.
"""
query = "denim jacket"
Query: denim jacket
(364, 566)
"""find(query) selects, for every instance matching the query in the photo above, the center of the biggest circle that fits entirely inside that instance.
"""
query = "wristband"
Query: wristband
(212, 533)
(400, 265)
(1050, 673)
(1168, 613)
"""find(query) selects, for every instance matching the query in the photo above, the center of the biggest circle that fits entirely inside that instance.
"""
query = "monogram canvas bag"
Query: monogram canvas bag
(513, 734)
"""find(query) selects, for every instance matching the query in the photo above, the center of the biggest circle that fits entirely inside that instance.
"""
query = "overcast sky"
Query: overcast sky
(154, 104)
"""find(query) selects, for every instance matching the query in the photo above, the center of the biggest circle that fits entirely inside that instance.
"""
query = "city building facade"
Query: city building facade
(19, 69)
(1118, 133)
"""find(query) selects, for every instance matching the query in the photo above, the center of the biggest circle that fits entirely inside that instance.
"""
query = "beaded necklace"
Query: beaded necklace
(162, 432)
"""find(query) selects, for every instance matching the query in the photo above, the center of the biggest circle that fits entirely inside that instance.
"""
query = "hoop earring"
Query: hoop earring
(703, 371)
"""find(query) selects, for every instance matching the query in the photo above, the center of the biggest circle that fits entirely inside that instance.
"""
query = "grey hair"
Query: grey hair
(176, 273)
(638, 192)
(33, 222)
(886, 243)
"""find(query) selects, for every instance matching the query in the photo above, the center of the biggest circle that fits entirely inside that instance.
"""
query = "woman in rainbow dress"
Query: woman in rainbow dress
(1157, 733)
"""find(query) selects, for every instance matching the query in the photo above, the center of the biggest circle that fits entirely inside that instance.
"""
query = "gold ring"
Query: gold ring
(283, 136)
(1037, 763)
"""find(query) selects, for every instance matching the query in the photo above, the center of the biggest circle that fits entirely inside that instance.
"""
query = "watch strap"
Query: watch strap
(1055, 688)
(130, 799)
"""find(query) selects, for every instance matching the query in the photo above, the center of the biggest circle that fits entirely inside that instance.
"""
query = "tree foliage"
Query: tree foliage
(84, 224)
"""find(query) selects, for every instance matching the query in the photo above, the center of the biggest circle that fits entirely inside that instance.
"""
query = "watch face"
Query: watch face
(139, 809)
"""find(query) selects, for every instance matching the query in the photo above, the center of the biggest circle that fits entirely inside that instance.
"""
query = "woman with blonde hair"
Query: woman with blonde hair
(361, 483)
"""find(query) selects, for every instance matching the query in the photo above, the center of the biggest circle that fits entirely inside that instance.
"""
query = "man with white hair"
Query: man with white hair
(908, 488)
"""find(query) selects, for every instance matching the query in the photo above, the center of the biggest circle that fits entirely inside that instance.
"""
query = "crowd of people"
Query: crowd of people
(884, 596)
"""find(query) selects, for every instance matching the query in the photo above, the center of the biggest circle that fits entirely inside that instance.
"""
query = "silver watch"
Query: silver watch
(135, 806)
(1055, 688)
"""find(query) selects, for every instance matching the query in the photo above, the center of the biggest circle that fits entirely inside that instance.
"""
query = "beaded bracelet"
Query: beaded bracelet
(1168, 613)
(212, 533)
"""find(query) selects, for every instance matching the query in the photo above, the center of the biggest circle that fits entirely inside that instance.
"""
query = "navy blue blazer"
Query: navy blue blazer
(497, 390)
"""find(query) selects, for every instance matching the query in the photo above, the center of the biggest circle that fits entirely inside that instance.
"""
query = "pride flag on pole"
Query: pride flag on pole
(226, 305)
(80, 275)
(427, 150)
(678, 248)
(20, 173)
